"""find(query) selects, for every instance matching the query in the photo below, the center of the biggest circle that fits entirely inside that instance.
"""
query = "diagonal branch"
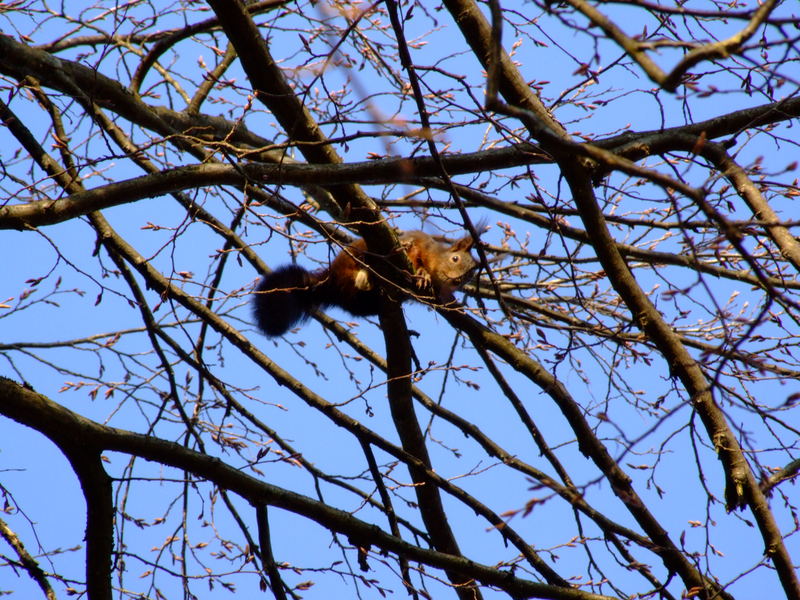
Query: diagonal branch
(749, 192)
(27, 561)
(57, 422)
(589, 445)
(477, 31)
(741, 484)
(635, 49)
(720, 49)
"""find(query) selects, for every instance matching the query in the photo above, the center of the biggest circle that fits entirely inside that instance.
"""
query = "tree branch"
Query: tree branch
(27, 561)
(56, 422)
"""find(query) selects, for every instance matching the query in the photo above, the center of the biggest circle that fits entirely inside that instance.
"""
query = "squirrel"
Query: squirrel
(288, 295)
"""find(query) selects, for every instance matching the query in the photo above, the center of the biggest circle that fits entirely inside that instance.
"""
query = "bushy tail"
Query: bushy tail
(285, 298)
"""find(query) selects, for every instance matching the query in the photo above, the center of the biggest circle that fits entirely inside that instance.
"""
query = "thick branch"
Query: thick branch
(50, 212)
(56, 422)
(720, 49)
(670, 82)
(398, 388)
(632, 47)
(588, 443)
(749, 192)
(478, 33)
(741, 483)
(96, 485)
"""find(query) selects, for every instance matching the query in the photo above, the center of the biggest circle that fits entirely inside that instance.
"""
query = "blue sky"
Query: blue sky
(38, 478)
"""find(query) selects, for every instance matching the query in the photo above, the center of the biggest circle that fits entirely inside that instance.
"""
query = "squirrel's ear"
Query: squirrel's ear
(463, 245)
(466, 243)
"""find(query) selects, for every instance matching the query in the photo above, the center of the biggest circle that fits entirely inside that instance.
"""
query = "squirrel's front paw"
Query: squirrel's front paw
(423, 278)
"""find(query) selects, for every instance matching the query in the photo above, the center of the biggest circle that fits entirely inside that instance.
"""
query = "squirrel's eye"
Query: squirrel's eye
(455, 258)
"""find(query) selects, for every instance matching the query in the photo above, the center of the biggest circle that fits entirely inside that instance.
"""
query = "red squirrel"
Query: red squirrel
(287, 295)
